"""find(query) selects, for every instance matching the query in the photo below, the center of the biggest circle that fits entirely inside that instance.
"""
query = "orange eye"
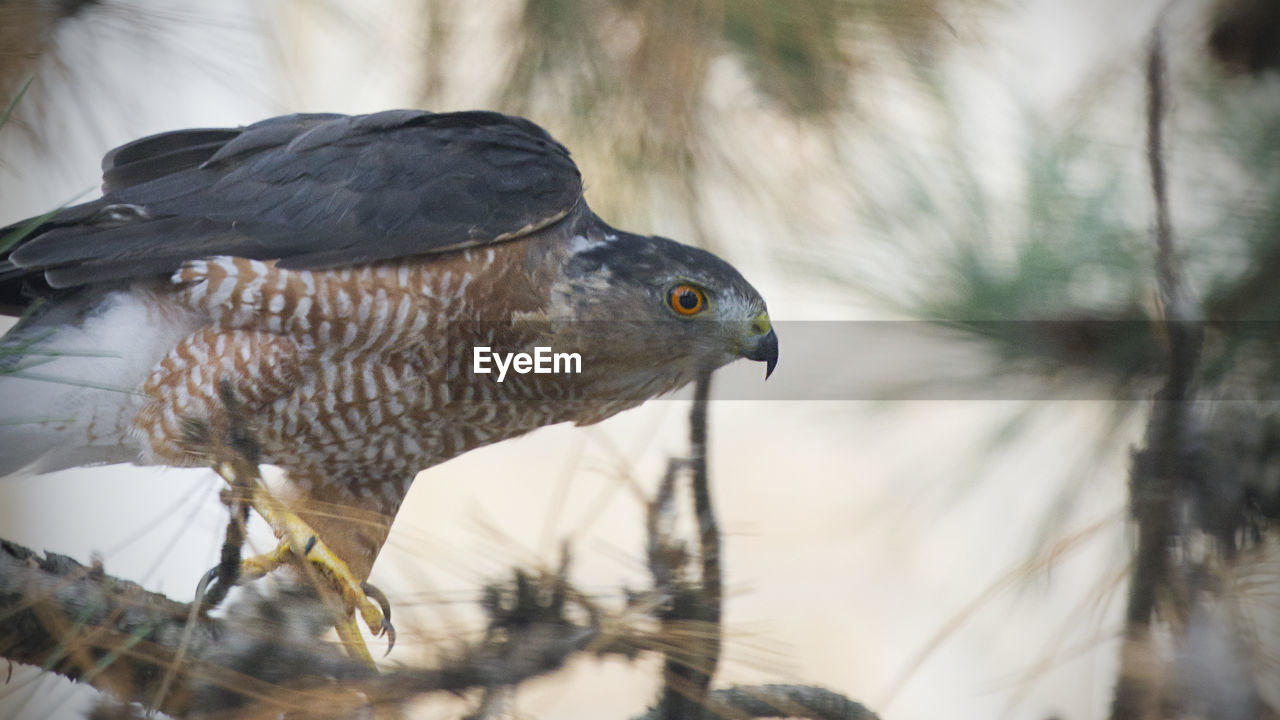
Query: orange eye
(686, 299)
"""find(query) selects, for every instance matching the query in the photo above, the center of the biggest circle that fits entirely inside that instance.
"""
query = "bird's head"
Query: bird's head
(663, 310)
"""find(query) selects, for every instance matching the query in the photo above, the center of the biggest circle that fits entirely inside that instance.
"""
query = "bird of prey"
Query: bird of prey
(333, 275)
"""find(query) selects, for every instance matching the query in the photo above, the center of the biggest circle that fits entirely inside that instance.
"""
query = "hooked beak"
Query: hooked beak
(762, 344)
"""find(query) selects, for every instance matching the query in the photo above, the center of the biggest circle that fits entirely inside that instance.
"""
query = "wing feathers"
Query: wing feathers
(160, 155)
(267, 134)
(310, 190)
(163, 143)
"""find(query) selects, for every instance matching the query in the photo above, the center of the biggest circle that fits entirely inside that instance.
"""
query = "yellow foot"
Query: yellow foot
(299, 541)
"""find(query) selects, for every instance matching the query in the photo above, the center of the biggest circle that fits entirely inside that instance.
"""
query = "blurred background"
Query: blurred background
(953, 541)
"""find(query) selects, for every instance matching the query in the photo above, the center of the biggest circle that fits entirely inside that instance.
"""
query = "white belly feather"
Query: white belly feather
(73, 396)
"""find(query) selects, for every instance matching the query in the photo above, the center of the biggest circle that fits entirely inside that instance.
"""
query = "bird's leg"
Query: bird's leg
(239, 452)
(235, 461)
(298, 540)
(298, 537)
(226, 574)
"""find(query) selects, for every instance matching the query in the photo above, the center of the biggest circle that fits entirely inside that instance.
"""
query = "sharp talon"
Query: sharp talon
(379, 597)
(203, 586)
(390, 631)
(311, 543)
(386, 628)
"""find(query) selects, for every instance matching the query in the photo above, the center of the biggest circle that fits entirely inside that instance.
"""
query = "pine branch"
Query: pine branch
(265, 658)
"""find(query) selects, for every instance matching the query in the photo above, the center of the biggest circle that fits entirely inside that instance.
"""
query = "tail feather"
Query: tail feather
(69, 380)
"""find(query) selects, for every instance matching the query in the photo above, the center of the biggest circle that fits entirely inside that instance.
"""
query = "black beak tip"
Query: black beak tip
(766, 350)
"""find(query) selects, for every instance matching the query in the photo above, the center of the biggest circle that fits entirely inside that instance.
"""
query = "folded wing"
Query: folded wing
(309, 191)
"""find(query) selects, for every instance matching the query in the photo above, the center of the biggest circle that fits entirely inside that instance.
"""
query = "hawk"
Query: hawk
(335, 274)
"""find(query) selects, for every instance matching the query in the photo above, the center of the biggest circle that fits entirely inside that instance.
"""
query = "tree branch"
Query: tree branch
(690, 608)
(266, 657)
(1160, 474)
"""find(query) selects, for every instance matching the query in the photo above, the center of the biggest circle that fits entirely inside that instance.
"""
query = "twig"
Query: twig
(1159, 475)
(691, 613)
(708, 527)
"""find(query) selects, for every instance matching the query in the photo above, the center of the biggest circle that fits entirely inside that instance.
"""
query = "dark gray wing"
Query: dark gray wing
(309, 191)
